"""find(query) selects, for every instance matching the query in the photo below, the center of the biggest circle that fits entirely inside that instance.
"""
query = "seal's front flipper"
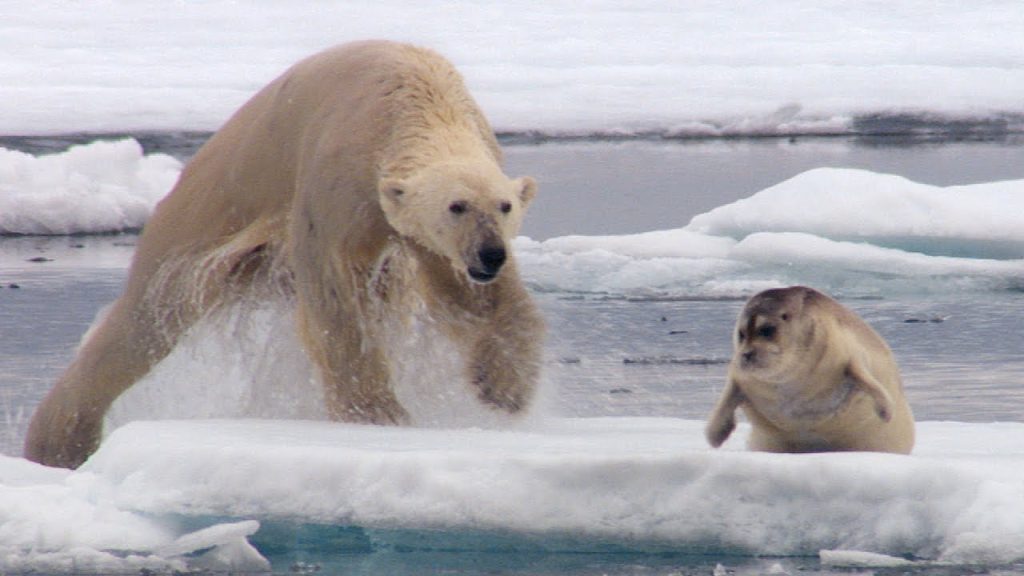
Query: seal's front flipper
(863, 380)
(722, 420)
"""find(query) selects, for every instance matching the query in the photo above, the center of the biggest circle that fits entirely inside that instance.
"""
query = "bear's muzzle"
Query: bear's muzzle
(490, 260)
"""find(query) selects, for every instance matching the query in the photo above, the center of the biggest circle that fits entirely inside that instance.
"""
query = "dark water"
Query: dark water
(668, 358)
(605, 356)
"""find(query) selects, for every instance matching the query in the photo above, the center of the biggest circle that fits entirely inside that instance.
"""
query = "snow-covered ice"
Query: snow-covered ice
(691, 68)
(842, 229)
(560, 484)
(59, 521)
(106, 186)
(974, 221)
(697, 68)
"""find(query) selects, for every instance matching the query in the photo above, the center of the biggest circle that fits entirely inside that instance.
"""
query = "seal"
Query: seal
(811, 376)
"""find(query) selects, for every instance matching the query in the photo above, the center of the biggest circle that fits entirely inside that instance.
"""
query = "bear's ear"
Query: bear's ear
(527, 188)
(391, 190)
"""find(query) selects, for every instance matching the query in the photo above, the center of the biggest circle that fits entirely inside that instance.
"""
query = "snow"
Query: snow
(843, 229)
(877, 208)
(105, 186)
(699, 68)
(59, 521)
(645, 483)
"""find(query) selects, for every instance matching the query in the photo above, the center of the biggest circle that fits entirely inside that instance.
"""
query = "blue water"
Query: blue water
(354, 550)
(961, 353)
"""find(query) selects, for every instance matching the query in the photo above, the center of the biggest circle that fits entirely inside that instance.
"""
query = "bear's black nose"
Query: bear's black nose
(491, 258)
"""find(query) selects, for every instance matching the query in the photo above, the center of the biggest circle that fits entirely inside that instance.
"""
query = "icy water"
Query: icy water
(608, 355)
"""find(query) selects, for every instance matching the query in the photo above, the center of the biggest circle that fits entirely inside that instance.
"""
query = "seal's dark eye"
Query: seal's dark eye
(457, 207)
(741, 336)
(785, 317)
(506, 207)
(767, 332)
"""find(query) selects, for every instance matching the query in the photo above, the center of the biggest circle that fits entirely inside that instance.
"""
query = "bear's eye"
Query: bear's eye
(505, 207)
(457, 207)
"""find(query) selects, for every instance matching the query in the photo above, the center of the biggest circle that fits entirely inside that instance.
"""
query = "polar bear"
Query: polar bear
(364, 181)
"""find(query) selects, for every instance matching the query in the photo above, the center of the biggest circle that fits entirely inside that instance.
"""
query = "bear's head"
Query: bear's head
(464, 212)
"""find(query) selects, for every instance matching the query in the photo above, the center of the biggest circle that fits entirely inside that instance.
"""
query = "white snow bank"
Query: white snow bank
(679, 243)
(640, 482)
(841, 229)
(691, 68)
(99, 187)
(881, 209)
(787, 248)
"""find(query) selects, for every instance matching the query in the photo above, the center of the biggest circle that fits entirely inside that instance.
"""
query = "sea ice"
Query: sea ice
(564, 484)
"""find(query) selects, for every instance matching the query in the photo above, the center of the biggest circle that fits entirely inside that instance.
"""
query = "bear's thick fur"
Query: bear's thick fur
(366, 182)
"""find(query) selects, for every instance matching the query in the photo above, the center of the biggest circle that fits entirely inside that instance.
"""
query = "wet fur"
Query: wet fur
(289, 195)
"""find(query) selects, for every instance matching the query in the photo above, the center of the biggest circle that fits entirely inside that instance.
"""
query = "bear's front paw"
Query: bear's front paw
(503, 399)
(381, 413)
(510, 396)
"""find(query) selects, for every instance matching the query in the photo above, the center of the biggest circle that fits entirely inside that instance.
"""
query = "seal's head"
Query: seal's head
(773, 330)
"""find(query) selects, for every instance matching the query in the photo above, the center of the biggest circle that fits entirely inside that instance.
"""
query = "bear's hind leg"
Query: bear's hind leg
(66, 427)
(161, 301)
